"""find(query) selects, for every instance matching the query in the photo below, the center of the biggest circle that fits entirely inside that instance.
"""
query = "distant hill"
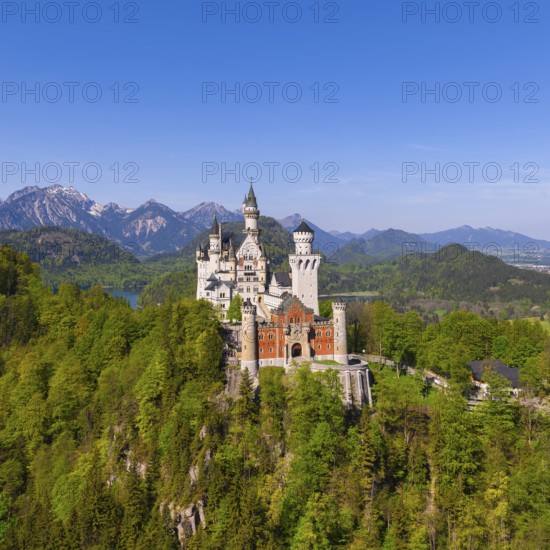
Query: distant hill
(65, 248)
(385, 244)
(348, 236)
(326, 243)
(80, 258)
(485, 237)
(456, 273)
(344, 236)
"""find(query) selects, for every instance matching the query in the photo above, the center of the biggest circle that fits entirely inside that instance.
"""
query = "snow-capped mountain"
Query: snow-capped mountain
(203, 214)
(152, 228)
(51, 206)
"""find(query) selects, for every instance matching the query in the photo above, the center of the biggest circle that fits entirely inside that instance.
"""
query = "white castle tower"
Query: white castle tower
(251, 213)
(340, 333)
(251, 257)
(215, 246)
(304, 265)
(249, 346)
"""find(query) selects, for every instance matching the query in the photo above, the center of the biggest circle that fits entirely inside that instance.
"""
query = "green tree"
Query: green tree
(234, 310)
(134, 505)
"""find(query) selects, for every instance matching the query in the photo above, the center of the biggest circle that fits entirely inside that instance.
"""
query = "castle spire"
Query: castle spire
(251, 213)
(251, 200)
(215, 226)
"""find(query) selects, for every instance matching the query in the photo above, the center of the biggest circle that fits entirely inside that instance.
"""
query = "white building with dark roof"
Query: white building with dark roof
(280, 311)
(227, 267)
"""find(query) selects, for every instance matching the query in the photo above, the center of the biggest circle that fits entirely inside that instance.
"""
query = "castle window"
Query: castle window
(260, 337)
(319, 334)
(270, 350)
(270, 336)
(319, 346)
(241, 289)
(328, 333)
(261, 350)
(248, 289)
(291, 320)
(298, 320)
(208, 293)
(255, 289)
(328, 346)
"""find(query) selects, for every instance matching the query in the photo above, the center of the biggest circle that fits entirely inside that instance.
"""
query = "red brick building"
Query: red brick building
(294, 331)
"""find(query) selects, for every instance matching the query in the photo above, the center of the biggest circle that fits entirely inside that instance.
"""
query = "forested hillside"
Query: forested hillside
(82, 258)
(116, 432)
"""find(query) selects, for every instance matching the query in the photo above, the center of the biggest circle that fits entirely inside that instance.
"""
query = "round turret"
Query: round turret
(340, 333)
(303, 238)
(249, 348)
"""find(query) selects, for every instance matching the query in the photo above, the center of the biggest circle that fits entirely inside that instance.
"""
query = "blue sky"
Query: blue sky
(367, 132)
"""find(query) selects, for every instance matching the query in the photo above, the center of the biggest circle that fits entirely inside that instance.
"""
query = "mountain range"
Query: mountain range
(154, 228)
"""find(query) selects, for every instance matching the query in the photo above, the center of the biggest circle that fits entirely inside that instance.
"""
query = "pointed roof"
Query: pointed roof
(282, 278)
(215, 229)
(303, 228)
(251, 199)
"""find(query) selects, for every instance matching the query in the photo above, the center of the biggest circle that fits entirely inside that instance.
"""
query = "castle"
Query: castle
(280, 311)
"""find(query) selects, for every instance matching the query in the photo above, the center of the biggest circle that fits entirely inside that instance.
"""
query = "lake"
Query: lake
(131, 295)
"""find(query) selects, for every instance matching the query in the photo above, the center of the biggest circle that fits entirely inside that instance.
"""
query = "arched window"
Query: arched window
(291, 320)
(328, 346)
(328, 333)
(270, 336)
(319, 334)
(260, 336)
(319, 346)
